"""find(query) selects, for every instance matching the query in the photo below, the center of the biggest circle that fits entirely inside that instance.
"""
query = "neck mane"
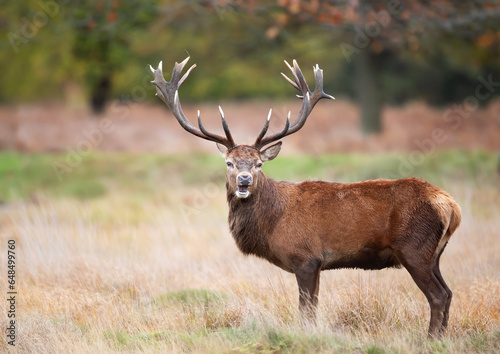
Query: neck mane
(253, 219)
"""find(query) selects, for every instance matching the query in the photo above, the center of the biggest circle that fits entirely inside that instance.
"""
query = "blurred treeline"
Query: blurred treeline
(100, 49)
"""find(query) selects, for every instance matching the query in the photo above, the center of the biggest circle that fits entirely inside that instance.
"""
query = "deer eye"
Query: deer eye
(229, 164)
(259, 165)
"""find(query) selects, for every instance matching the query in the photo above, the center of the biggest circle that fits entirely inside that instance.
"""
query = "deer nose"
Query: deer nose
(245, 179)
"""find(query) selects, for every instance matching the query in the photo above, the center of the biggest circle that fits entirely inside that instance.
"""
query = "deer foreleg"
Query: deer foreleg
(308, 280)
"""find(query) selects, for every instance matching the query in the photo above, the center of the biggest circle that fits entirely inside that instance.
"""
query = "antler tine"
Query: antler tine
(261, 141)
(309, 101)
(318, 76)
(213, 136)
(226, 127)
(264, 129)
(200, 125)
(169, 94)
(301, 80)
(290, 81)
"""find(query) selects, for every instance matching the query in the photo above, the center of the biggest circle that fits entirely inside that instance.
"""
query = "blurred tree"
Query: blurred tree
(372, 30)
(102, 40)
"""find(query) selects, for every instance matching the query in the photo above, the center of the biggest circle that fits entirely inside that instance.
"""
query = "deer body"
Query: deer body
(341, 225)
(308, 227)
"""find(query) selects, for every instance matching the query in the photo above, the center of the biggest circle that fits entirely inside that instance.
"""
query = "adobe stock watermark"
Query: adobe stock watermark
(32, 24)
(371, 29)
(224, 8)
(221, 7)
(74, 155)
(278, 120)
(201, 197)
(454, 118)
(94, 137)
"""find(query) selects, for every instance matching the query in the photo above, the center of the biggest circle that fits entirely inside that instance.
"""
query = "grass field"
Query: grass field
(132, 253)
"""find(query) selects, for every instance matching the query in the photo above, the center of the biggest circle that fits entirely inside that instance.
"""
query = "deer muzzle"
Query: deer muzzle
(244, 182)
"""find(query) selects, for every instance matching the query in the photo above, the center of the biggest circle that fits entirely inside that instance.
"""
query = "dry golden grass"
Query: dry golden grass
(164, 275)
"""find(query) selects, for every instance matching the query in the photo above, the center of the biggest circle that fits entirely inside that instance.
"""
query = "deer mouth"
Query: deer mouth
(242, 191)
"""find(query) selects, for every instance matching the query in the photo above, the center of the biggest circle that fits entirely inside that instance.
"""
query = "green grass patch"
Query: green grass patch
(243, 339)
(22, 175)
(190, 297)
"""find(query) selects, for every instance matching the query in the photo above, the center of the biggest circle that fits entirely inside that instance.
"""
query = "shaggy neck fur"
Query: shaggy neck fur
(253, 219)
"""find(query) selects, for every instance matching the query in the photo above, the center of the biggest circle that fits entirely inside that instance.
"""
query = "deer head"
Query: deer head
(243, 162)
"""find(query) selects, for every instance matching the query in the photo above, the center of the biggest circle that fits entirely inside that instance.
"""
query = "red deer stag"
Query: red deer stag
(308, 227)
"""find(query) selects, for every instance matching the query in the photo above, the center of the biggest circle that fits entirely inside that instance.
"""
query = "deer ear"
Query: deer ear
(271, 152)
(222, 149)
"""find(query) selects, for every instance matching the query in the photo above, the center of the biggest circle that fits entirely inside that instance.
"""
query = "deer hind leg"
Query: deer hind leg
(308, 281)
(423, 272)
(437, 273)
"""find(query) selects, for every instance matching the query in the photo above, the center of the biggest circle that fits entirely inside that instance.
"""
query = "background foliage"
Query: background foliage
(48, 47)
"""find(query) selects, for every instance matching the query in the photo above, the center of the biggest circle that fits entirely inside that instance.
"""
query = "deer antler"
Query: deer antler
(310, 100)
(169, 93)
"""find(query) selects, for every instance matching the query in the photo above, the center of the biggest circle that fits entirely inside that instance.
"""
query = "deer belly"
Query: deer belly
(366, 258)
